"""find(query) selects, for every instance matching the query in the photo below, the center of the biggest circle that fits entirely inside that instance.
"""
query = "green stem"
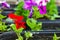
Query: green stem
(19, 36)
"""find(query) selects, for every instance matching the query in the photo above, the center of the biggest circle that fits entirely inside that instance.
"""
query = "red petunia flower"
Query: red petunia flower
(18, 20)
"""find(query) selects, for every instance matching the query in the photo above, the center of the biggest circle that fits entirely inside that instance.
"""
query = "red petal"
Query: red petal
(20, 18)
(20, 25)
(17, 26)
(11, 15)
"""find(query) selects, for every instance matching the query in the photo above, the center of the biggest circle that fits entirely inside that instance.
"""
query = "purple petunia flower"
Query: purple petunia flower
(41, 4)
(27, 5)
(5, 4)
(42, 9)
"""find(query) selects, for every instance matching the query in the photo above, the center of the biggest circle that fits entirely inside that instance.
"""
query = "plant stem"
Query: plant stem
(19, 36)
(26, 38)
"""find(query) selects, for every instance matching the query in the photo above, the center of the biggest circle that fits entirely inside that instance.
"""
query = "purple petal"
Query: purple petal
(31, 13)
(5, 5)
(27, 7)
(42, 10)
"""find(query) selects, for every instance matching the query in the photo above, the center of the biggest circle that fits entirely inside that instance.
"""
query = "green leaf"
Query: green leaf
(21, 11)
(52, 9)
(3, 27)
(34, 25)
(31, 23)
(55, 37)
(20, 38)
(28, 34)
(36, 13)
(13, 26)
(19, 8)
(1, 16)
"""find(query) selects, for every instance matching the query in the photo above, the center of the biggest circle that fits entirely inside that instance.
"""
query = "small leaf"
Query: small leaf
(20, 38)
(34, 25)
(13, 26)
(28, 34)
(1, 16)
(55, 37)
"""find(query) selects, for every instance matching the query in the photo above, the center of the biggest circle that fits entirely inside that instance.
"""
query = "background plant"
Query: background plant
(36, 13)
(52, 11)
(20, 10)
(55, 37)
(3, 27)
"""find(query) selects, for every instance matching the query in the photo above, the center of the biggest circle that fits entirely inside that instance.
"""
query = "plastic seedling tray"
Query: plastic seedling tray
(8, 36)
(37, 35)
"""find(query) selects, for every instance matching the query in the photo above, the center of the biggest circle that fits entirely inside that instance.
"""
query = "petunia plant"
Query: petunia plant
(36, 13)
(55, 37)
(52, 11)
(40, 4)
(28, 34)
(20, 10)
(3, 27)
(37, 9)
(18, 25)
(34, 25)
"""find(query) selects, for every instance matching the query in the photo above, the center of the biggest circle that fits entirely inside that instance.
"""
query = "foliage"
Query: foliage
(34, 25)
(20, 11)
(55, 37)
(1, 16)
(28, 35)
(51, 10)
(2, 24)
(36, 13)
(18, 32)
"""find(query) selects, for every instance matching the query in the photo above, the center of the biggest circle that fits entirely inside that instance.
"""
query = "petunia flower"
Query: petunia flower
(27, 4)
(41, 4)
(18, 20)
(42, 9)
(13, 16)
(5, 4)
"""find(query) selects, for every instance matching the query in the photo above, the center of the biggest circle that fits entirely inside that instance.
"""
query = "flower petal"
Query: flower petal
(5, 5)
(12, 16)
(31, 13)
(42, 10)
